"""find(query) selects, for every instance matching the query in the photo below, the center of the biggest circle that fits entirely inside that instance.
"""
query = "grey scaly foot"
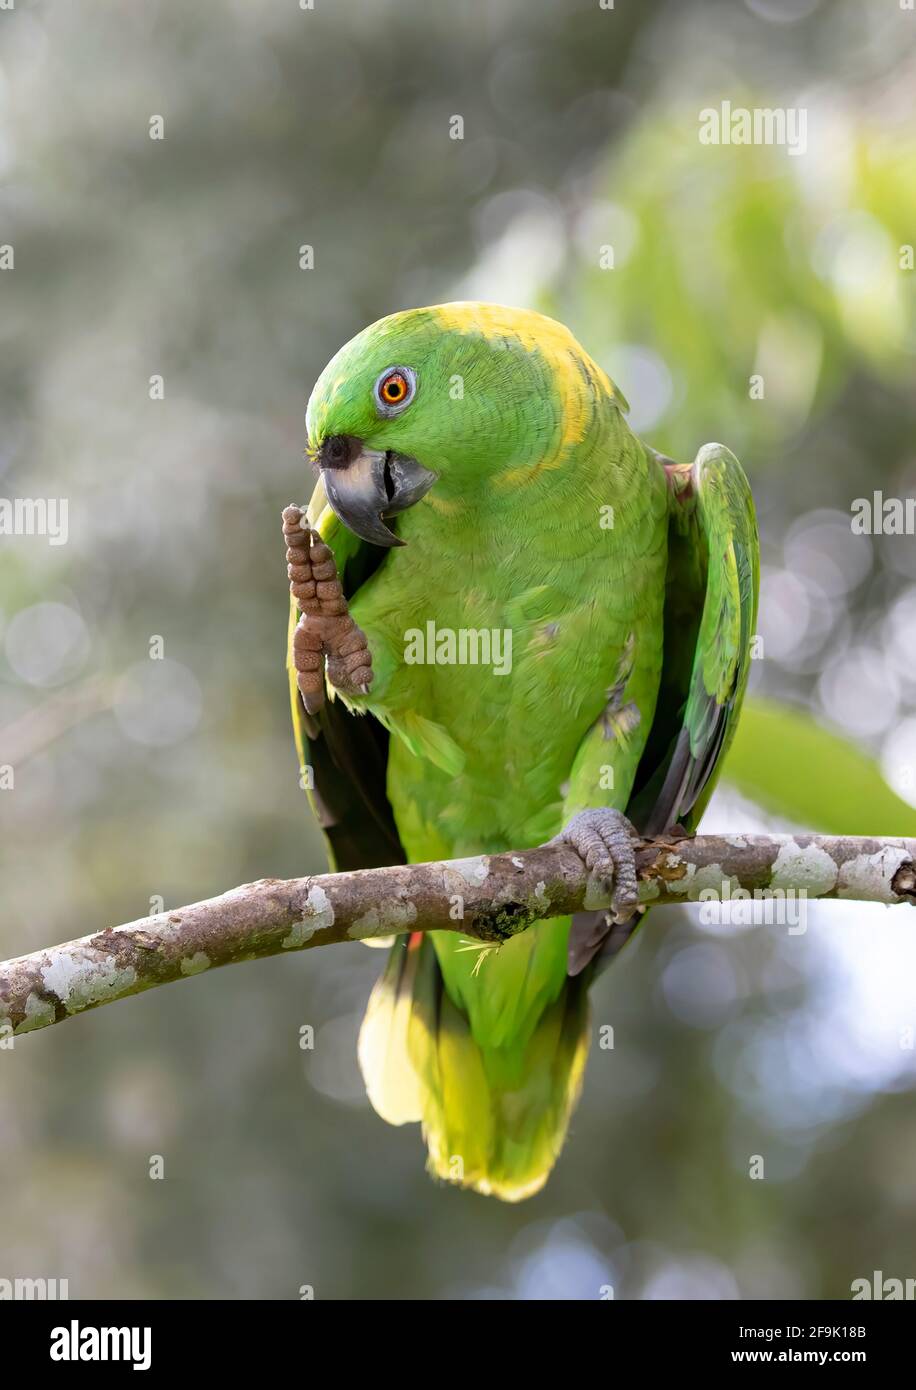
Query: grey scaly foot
(604, 841)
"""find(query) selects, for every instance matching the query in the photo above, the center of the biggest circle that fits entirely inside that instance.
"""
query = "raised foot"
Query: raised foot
(325, 631)
(605, 842)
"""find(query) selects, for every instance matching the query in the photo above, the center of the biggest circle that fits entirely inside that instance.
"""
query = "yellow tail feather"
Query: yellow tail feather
(494, 1119)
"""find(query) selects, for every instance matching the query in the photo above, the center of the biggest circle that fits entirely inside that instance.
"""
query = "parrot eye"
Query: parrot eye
(394, 390)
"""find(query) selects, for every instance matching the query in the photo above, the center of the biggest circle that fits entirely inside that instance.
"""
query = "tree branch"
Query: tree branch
(498, 895)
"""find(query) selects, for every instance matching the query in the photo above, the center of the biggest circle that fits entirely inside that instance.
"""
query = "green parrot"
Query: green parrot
(559, 625)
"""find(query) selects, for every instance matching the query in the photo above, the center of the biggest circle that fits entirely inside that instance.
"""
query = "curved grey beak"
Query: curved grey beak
(364, 485)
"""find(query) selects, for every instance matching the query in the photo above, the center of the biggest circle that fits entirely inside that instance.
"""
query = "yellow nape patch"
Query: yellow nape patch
(563, 354)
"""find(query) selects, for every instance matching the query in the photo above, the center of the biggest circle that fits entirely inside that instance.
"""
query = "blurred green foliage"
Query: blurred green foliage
(735, 261)
(793, 767)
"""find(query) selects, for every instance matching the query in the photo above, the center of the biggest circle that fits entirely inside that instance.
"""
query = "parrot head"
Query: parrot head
(454, 395)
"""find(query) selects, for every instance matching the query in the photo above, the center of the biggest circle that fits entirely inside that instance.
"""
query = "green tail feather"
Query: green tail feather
(494, 1118)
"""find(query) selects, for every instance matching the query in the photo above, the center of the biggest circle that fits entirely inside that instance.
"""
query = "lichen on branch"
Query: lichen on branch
(488, 898)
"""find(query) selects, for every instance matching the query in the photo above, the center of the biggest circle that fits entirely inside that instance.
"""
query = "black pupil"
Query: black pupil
(393, 388)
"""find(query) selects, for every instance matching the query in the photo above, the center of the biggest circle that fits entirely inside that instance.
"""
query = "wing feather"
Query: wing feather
(710, 615)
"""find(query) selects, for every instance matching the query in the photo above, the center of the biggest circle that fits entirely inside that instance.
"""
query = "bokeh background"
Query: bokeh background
(138, 779)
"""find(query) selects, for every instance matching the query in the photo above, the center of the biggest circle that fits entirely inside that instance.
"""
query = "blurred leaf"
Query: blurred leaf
(738, 260)
(792, 766)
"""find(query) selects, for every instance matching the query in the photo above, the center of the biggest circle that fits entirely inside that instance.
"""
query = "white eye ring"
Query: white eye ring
(388, 408)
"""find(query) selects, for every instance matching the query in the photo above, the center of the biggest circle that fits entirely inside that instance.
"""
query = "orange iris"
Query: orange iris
(394, 389)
